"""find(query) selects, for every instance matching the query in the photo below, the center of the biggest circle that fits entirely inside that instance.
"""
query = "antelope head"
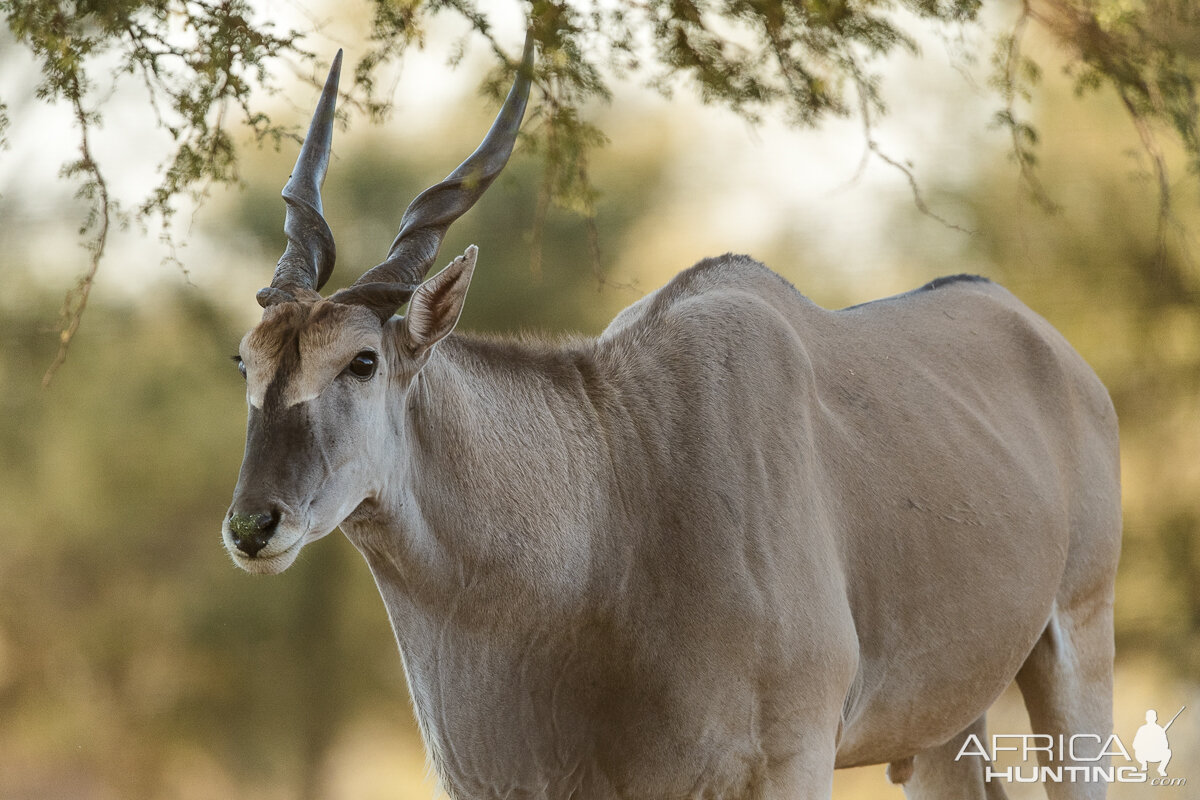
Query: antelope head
(323, 373)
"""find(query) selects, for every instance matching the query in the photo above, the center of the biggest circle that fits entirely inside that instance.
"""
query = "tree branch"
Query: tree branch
(863, 91)
(1023, 136)
(100, 217)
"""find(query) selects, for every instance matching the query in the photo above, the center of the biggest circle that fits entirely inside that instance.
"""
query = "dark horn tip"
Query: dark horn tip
(310, 252)
(424, 224)
(525, 68)
(527, 56)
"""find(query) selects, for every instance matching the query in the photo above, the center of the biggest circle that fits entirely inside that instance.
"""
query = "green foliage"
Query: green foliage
(1147, 52)
(201, 60)
(1015, 75)
(197, 60)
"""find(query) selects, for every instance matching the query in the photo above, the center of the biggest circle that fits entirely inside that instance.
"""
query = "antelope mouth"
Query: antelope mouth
(275, 557)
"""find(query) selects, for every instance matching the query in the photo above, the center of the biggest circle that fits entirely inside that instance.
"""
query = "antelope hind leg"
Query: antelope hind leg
(805, 774)
(1067, 685)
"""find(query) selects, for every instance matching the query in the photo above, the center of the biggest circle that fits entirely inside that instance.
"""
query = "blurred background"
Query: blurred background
(137, 662)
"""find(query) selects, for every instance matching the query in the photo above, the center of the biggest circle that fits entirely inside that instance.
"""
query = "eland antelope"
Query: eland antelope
(733, 543)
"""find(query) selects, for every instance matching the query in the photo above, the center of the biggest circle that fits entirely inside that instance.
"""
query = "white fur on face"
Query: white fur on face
(326, 336)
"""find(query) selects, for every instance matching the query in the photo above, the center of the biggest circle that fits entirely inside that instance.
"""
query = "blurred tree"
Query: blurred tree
(200, 61)
(135, 660)
(1098, 273)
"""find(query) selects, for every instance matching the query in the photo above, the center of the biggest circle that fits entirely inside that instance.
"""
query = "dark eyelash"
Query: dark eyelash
(236, 357)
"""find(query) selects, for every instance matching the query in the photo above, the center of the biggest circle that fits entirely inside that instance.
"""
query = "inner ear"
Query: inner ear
(437, 303)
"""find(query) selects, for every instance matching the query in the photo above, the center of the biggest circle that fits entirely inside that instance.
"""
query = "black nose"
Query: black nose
(251, 532)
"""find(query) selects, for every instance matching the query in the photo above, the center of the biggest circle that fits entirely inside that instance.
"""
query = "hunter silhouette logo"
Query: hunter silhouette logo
(1078, 758)
(1150, 742)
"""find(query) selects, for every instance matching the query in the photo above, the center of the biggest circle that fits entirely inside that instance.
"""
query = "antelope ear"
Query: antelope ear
(437, 303)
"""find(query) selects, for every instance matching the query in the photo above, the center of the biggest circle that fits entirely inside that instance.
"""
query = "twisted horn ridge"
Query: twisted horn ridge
(307, 261)
(424, 224)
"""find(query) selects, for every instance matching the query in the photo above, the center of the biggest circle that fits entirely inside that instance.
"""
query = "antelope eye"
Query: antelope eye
(241, 365)
(363, 366)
